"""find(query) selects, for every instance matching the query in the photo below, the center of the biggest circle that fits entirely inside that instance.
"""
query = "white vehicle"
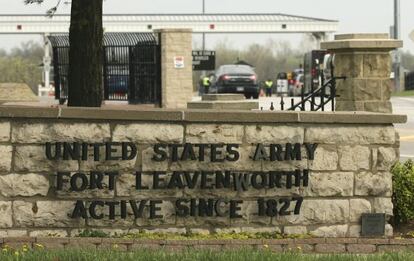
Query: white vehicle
(282, 84)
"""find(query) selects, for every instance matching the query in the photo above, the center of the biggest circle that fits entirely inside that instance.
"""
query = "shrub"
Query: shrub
(403, 195)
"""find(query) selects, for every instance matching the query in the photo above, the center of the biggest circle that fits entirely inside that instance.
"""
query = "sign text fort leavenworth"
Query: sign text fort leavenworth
(202, 180)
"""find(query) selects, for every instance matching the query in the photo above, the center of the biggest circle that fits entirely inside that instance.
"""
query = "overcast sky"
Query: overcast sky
(353, 15)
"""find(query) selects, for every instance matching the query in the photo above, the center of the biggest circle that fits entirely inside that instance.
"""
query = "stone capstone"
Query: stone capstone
(64, 132)
(149, 133)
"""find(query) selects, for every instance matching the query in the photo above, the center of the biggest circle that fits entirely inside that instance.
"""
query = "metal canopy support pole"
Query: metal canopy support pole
(319, 37)
(203, 73)
(46, 62)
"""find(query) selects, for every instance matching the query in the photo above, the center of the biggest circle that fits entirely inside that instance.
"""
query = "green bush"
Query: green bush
(403, 196)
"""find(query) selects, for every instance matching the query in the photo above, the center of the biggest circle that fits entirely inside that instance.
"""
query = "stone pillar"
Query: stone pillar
(366, 62)
(176, 81)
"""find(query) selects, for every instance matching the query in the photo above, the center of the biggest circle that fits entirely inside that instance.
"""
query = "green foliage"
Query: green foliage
(403, 196)
(21, 65)
(190, 255)
(403, 93)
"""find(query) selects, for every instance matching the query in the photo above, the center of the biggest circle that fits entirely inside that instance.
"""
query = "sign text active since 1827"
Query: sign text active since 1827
(200, 180)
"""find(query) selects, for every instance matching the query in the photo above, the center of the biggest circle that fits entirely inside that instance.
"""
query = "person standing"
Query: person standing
(269, 87)
(206, 84)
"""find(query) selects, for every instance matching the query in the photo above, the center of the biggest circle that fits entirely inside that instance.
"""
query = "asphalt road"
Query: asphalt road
(405, 105)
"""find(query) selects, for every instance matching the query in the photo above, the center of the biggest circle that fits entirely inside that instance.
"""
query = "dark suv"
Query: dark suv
(235, 79)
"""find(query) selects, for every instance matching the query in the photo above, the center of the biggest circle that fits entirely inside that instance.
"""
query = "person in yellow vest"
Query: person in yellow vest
(206, 84)
(269, 87)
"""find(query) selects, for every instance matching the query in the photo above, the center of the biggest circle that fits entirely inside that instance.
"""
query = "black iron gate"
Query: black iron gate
(318, 99)
(145, 73)
(131, 69)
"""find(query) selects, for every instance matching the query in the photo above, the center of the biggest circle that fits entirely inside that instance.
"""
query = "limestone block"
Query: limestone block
(386, 157)
(227, 230)
(274, 134)
(65, 132)
(118, 222)
(6, 214)
(145, 133)
(373, 184)
(295, 230)
(349, 64)
(354, 231)
(199, 231)
(350, 135)
(33, 158)
(349, 105)
(330, 231)
(253, 230)
(382, 205)
(4, 131)
(378, 106)
(389, 230)
(13, 233)
(171, 230)
(377, 65)
(386, 89)
(45, 214)
(326, 158)
(357, 208)
(209, 133)
(25, 185)
(354, 158)
(366, 90)
(315, 212)
(331, 184)
(5, 158)
(48, 233)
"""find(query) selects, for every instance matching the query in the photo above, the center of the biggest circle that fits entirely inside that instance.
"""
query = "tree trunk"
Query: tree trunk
(85, 54)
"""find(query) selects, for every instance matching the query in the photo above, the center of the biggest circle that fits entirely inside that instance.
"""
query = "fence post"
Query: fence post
(366, 62)
(176, 67)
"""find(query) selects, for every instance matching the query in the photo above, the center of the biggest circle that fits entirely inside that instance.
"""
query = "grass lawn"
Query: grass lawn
(93, 255)
(403, 93)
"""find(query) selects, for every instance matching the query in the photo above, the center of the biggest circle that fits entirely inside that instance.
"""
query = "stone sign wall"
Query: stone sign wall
(181, 171)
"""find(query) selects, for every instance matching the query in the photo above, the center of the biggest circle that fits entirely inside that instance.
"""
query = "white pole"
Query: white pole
(397, 33)
(46, 61)
(204, 35)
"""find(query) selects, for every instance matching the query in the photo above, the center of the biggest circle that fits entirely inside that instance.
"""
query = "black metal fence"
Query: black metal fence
(409, 81)
(131, 70)
(319, 99)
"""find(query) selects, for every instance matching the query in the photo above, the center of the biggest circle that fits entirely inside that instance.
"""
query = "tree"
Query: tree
(85, 52)
(21, 65)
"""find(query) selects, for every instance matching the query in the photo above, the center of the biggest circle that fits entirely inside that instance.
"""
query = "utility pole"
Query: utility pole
(397, 60)
(204, 35)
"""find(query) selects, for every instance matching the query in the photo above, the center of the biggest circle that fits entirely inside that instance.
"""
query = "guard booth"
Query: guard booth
(131, 68)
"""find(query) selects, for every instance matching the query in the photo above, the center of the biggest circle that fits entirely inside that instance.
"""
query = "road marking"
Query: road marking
(407, 138)
(406, 156)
